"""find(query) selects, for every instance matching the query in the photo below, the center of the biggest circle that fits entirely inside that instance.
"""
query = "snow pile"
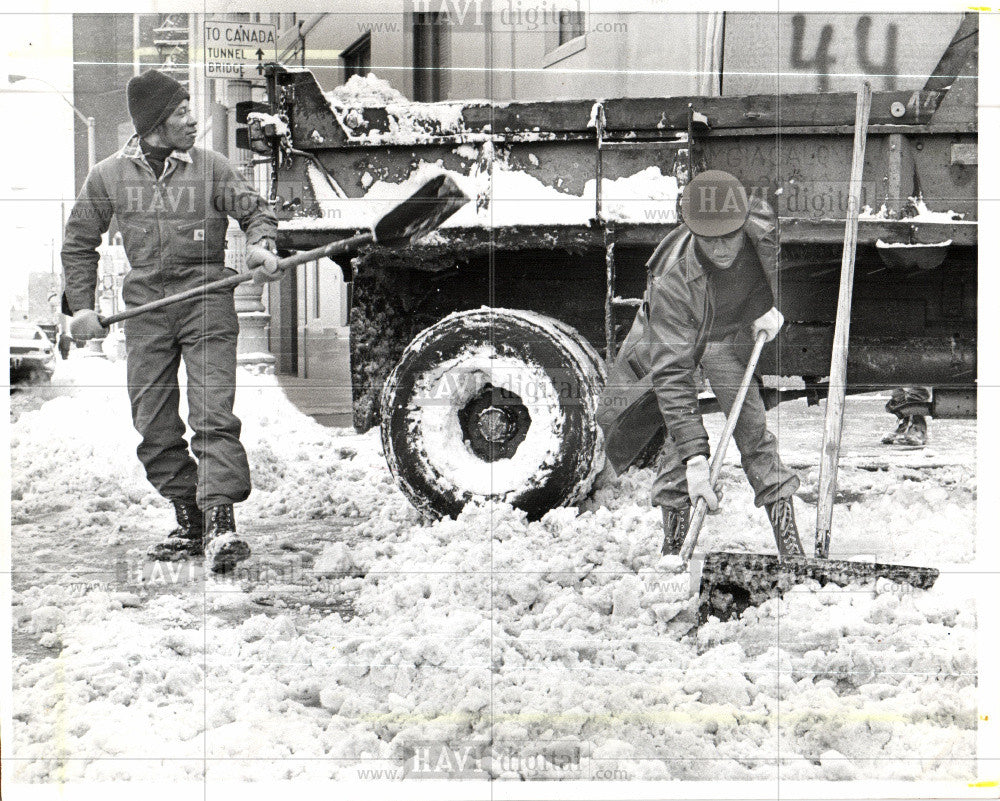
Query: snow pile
(408, 122)
(557, 636)
(76, 454)
(364, 92)
(502, 197)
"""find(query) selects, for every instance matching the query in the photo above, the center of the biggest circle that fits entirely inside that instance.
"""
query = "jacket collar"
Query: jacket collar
(692, 266)
(133, 150)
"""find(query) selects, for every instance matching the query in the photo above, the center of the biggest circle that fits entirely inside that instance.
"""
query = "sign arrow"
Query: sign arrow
(260, 59)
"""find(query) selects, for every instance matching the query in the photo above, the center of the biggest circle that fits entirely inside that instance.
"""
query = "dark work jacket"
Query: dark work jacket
(173, 227)
(652, 382)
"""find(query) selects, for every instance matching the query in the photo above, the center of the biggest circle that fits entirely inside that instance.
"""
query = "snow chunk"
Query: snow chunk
(47, 618)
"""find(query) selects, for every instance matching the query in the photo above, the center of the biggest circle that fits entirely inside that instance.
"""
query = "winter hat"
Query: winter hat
(714, 204)
(152, 97)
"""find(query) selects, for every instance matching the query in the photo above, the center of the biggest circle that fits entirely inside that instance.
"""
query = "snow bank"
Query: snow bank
(77, 453)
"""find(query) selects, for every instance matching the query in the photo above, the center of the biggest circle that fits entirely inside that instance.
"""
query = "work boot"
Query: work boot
(781, 513)
(675, 528)
(915, 435)
(897, 435)
(223, 549)
(184, 541)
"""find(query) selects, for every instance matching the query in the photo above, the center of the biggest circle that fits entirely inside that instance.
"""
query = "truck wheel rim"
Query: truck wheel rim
(494, 423)
(451, 401)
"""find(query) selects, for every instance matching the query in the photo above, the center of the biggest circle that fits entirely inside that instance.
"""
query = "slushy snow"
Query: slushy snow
(540, 638)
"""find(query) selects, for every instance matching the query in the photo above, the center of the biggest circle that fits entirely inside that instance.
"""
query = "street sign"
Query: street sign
(239, 50)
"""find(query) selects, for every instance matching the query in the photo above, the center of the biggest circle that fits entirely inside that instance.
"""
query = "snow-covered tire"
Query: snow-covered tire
(494, 404)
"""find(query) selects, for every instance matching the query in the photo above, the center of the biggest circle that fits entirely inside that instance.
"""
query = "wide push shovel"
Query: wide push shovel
(419, 214)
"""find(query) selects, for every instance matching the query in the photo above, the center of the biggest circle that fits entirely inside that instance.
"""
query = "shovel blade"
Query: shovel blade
(734, 581)
(421, 212)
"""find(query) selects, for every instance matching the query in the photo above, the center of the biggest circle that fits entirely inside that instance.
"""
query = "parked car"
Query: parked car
(32, 354)
(51, 330)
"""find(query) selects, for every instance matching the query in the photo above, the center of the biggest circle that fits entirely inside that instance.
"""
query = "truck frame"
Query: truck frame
(915, 293)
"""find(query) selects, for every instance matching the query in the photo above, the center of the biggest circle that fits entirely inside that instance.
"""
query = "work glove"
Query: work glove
(85, 325)
(699, 482)
(771, 322)
(263, 264)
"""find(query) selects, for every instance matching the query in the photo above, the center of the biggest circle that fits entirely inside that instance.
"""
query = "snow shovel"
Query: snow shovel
(731, 582)
(419, 214)
(701, 508)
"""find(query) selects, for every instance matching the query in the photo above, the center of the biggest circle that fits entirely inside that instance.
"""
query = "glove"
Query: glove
(85, 325)
(263, 263)
(699, 482)
(771, 322)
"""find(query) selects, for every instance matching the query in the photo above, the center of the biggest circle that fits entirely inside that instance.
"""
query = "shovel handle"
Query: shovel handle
(339, 248)
(701, 508)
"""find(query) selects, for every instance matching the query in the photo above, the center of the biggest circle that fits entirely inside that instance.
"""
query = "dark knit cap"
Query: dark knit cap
(152, 97)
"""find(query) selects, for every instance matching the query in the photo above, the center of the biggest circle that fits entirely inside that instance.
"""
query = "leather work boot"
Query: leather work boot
(781, 513)
(223, 549)
(915, 435)
(896, 436)
(184, 541)
(675, 528)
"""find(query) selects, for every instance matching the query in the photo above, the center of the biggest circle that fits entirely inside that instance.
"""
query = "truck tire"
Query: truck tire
(494, 404)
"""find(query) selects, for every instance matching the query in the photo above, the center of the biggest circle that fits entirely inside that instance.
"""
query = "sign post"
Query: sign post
(238, 50)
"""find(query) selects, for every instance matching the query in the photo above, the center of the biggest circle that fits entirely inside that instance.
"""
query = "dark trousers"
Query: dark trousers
(201, 331)
(909, 401)
(770, 479)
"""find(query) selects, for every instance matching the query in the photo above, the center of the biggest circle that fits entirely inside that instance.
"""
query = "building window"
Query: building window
(570, 25)
(358, 57)
(429, 67)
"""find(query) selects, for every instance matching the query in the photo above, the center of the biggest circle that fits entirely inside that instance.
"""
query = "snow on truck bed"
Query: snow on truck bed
(549, 636)
(501, 197)
(502, 194)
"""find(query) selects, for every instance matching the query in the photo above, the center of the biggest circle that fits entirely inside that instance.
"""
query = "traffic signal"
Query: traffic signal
(250, 135)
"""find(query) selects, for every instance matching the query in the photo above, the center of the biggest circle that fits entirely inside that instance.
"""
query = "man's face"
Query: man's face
(179, 129)
(721, 250)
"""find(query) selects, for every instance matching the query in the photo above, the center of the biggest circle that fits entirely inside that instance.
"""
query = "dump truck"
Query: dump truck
(481, 350)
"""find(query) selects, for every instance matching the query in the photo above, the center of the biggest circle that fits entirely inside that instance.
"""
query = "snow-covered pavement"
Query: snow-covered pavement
(364, 639)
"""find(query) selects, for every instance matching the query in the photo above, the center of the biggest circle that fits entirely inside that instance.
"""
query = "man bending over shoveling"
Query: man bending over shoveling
(710, 291)
(172, 202)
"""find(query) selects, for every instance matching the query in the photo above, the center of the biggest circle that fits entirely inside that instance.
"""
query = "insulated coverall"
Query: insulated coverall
(174, 230)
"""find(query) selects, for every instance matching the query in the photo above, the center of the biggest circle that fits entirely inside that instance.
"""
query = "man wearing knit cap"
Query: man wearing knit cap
(711, 290)
(171, 201)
